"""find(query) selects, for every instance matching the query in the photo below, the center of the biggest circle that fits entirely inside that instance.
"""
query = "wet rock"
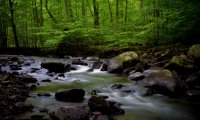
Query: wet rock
(23, 107)
(27, 78)
(92, 59)
(163, 81)
(71, 95)
(194, 52)
(102, 117)
(43, 110)
(9, 118)
(13, 58)
(193, 81)
(61, 75)
(149, 92)
(117, 86)
(193, 95)
(136, 76)
(71, 113)
(181, 64)
(56, 67)
(34, 70)
(128, 70)
(79, 62)
(47, 80)
(128, 91)
(67, 57)
(15, 66)
(104, 66)
(99, 104)
(37, 117)
(96, 65)
(115, 108)
(90, 70)
(125, 60)
(44, 94)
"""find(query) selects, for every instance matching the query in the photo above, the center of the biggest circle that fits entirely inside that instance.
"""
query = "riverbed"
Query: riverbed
(136, 106)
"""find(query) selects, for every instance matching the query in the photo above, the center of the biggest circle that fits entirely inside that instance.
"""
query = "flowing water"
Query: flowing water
(136, 106)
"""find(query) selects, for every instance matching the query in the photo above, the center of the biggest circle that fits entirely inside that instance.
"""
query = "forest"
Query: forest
(95, 26)
(99, 59)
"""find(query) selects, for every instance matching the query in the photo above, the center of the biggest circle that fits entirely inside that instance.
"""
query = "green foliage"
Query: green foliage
(147, 21)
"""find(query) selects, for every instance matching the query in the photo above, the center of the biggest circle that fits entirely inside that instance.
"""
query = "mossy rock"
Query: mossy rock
(181, 64)
(194, 52)
(124, 60)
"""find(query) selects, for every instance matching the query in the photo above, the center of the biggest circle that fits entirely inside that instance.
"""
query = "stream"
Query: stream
(136, 106)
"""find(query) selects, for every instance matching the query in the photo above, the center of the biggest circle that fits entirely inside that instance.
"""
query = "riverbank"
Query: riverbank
(171, 72)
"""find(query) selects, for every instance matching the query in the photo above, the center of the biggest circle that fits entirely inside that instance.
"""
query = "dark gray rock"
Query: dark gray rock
(71, 95)
(136, 76)
(23, 107)
(97, 103)
(27, 78)
(56, 67)
(163, 81)
(117, 86)
(71, 113)
(44, 94)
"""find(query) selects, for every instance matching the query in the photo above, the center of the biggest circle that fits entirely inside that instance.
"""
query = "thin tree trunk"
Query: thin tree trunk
(84, 12)
(117, 13)
(96, 14)
(49, 13)
(111, 15)
(11, 5)
(126, 14)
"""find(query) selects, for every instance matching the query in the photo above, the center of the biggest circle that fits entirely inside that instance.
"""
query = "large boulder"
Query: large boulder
(136, 76)
(194, 52)
(71, 113)
(25, 78)
(98, 103)
(193, 80)
(162, 81)
(70, 95)
(124, 60)
(181, 64)
(56, 67)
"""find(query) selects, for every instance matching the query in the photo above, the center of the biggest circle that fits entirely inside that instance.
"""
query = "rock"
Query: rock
(79, 62)
(128, 70)
(194, 52)
(118, 63)
(15, 66)
(97, 103)
(37, 117)
(102, 117)
(193, 81)
(33, 70)
(70, 95)
(43, 110)
(163, 81)
(56, 67)
(117, 86)
(44, 94)
(104, 66)
(27, 78)
(115, 108)
(96, 65)
(23, 107)
(71, 113)
(92, 59)
(193, 95)
(47, 80)
(90, 70)
(149, 92)
(181, 64)
(13, 58)
(136, 76)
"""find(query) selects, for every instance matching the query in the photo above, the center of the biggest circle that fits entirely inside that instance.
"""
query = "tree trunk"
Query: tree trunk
(126, 14)
(11, 5)
(117, 13)
(111, 15)
(3, 26)
(96, 14)
(49, 13)
(84, 12)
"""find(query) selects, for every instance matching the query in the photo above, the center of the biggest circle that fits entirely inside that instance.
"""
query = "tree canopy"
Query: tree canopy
(80, 25)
